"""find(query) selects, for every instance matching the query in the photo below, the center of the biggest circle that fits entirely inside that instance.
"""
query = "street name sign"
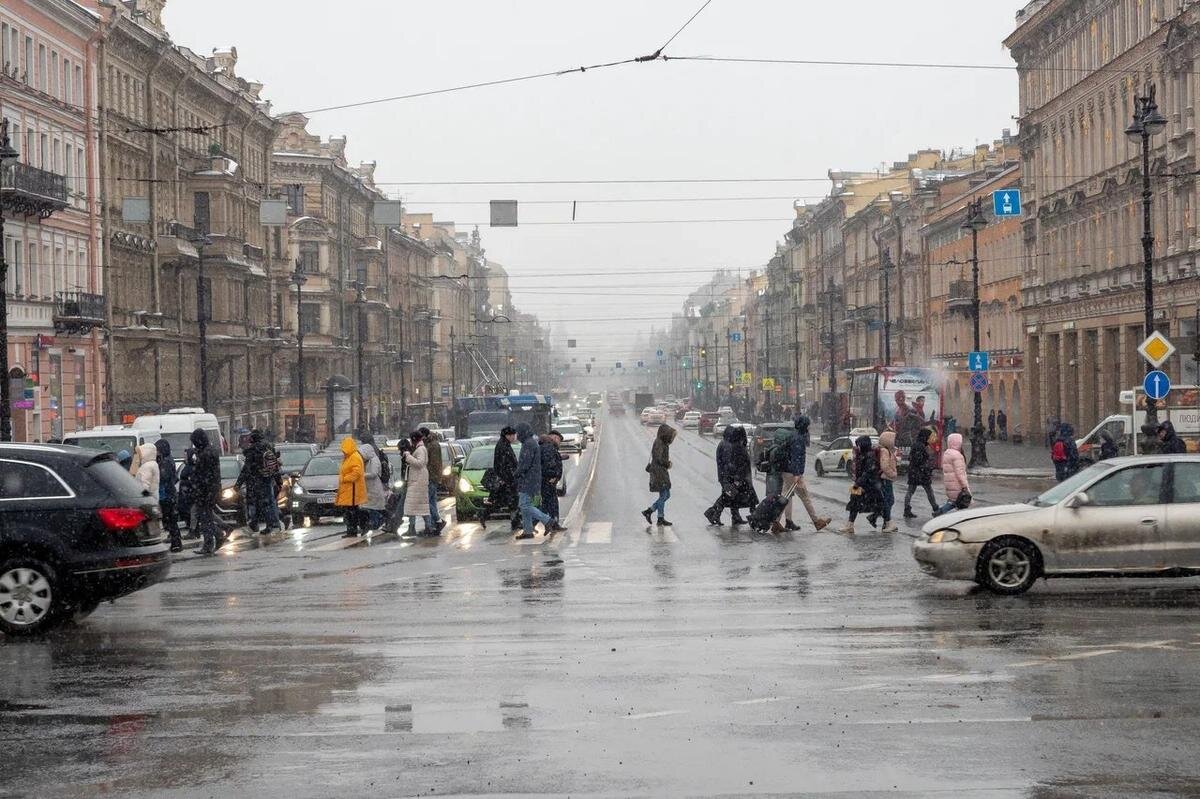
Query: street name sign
(1006, 202)
(1156, 349)
(1156, 385)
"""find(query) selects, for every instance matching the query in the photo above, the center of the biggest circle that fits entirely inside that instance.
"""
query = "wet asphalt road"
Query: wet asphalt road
(612, 660)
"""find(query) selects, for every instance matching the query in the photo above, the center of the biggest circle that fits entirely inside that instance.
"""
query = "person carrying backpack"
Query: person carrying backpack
(1060, 453)
(794, 476)
(866, 493)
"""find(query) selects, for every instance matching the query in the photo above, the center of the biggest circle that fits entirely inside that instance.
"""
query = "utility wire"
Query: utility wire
(683, 27)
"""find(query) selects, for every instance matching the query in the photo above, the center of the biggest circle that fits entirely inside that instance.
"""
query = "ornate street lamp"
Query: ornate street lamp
(8, 154)
(298, 279)
(974, 223)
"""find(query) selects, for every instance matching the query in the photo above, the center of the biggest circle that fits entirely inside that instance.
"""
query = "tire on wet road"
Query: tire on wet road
(31, 596)
(1008, 565)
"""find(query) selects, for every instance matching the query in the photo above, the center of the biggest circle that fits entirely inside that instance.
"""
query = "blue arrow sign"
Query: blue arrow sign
(979, 382)
(979, 361)
(735, 337)
(1006, 202)
(1156, 385)
(658, 353)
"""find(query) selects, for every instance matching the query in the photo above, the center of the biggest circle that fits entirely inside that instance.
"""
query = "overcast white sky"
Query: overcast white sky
(640, 121)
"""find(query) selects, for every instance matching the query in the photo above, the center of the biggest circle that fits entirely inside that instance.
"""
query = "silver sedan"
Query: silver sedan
(1125, 517)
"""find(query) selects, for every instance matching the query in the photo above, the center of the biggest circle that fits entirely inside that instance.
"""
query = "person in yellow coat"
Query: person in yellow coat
(352, 487)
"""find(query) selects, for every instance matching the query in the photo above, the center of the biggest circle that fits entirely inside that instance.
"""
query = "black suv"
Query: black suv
(75, 529)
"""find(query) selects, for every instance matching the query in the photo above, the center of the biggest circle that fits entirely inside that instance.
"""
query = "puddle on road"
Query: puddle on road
(457, 719)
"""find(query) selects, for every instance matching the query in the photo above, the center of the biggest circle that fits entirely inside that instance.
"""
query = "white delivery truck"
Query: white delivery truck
(176, 426)
(111, 438)
(1181, 407)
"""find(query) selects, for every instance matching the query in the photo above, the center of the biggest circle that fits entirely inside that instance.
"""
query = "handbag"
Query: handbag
(963, 500)
(490, 481)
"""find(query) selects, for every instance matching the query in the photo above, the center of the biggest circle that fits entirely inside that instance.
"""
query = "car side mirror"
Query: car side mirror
(1080, 500)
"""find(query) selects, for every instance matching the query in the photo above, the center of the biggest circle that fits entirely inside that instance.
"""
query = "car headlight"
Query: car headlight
(446, 472)
(229, 493)
(464, 485)
(297, 490)
(397, 485)
(943, 536)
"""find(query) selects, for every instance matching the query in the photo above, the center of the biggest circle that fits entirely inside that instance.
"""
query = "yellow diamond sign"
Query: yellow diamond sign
(1156, 349)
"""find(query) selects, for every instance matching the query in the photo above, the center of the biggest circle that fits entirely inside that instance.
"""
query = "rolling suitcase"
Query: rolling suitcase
(767, 512)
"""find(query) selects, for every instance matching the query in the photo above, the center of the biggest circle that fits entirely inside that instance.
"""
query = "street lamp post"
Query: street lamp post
(975, 223)
(1147, 123)
(403, 389)
(298, 280)
(202, 319)
(885, 263)
(746, 360)
(360, 299)
(8, 154)
(453, 372)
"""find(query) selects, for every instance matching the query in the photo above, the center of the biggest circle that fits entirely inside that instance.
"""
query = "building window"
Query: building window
(27, 76)
(310, 318)
(41, 67)
(310, 257)
(295, 199)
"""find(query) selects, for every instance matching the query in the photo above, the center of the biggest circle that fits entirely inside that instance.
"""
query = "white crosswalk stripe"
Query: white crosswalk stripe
(598, 533)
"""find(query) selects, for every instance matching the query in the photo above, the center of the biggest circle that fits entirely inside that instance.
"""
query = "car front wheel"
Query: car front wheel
(1008, 566)
(30, 597)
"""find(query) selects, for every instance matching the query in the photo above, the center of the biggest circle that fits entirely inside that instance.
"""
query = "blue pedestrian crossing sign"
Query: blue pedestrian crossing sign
(979, 382)
(1006, 202)
(1156, 385)
(978, 361)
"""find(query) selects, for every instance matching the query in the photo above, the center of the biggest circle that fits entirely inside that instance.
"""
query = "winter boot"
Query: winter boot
(791, 526)
(648, 514)
(713, 518)
(908, 514)
(847, 528)
(737, 519)
(821, 524)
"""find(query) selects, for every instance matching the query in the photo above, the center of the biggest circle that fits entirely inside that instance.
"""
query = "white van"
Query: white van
(111, 438)
(176, 426)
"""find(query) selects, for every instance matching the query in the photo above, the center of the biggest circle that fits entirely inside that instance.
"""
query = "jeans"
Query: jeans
(433, 508)
(262, 507)
(949, 506)
(550, 498)
(529, 513)
(660, 504)
(912, 489)
(372, 518)
(412, 525)
(889, 499)
(206, 523)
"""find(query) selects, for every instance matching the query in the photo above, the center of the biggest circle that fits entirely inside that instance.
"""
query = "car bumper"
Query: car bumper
(131, 570)
(953, 560)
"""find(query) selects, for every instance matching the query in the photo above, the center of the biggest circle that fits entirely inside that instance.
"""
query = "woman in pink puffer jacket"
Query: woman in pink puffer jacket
(954, 472)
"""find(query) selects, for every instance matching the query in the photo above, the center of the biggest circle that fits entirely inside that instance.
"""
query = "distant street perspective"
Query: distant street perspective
(688, 398)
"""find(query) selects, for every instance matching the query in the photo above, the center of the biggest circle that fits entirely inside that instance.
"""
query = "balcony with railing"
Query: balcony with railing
(29, 190)
(78, 312)
(960, 297)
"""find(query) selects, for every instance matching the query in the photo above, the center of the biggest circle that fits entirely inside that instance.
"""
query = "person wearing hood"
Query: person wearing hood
(954, 476)
(416, 497)
(352, 488)
(920, 472)
(1108, 445)
(797, 459)
(529, 481)
(504, 467)
(372, 509)
(259, 473)
(778, 457)
(660, 474)
(204, 487)
(147, 473)
(866, 492)
(1169, 441)
(552, 472)
(888, 472)
(168, 494)
(734, 475)
(125, 458)
(433, 449)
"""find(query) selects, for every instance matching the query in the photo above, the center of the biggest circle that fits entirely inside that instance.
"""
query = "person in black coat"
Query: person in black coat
(204, 487)
(168, 494)
(502, 496)
(866, 495)
(920, 472)
(1108, 446)
(1169, 441)
(552, 472)
(733, 473)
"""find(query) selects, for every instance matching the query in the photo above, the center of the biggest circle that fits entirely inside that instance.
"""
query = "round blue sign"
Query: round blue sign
(1156, 385)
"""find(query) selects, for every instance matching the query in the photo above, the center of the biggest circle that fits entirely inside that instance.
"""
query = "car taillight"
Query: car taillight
(119, 520)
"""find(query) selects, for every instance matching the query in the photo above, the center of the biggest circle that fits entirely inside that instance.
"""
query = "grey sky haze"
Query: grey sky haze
(641, 121)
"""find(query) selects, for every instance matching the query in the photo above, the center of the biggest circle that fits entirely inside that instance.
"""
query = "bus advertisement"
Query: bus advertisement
(902, 399)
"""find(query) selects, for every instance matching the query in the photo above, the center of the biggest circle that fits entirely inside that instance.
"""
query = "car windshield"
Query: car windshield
(321, 466)
(113, 443)
(230, 468)
(1069, 486)
(569, 429)
(293, 460)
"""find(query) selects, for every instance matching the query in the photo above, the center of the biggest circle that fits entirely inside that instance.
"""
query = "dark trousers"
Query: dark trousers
(912, 489)
(355, 520)
(550, 498)
(734, 498)
(206, 523)
(170, 521)
(889, 499)
(262, 508)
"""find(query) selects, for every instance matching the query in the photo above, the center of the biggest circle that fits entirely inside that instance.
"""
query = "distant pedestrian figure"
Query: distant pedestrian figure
(352, 488)
(954, 476)
(502, 495)
(991, 425)
(888, 472)
(1064, 453)
(920, 472)
(1002, 424)
(797, 457)
(371, 511)
(204, 486)
(433, 448)
(168, 494)
(735, 477)
(1108, 446)
(660, 474)
(416, 497)
(552, 472)
(1169, 441)
(148, 472)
